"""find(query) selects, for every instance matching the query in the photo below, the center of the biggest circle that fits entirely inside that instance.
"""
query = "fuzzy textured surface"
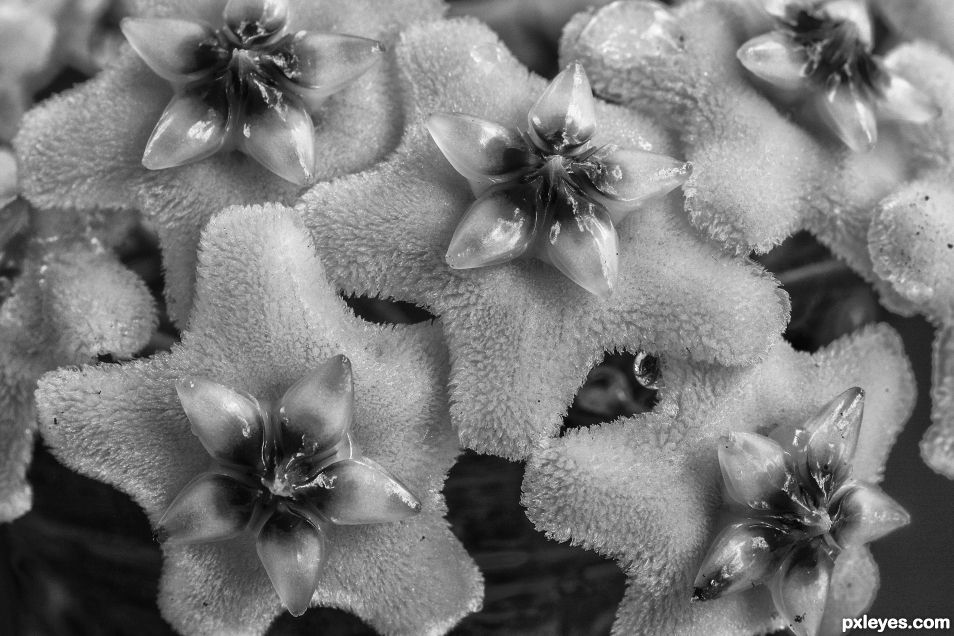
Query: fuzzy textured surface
(646, 490)
(83, 149)
(521, 336)
(263, 317)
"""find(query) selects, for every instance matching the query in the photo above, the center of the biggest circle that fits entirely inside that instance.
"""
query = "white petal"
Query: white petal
(776, 59)
(901, 100)
(565, 114)
(754, 469)
(800, 588)
(833, 436)
(194, 125)
(865, 513)
(175, 49)
(582, 243)
(480, 150)
(256, 21)
(315, 413)
(629, 178)
(494, 230)
(212, 507)
(293, 553)
(359, 491)
(851, 117)
(229, 423)
(324, 63)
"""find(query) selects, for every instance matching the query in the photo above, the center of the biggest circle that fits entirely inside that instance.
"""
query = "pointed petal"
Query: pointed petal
(902, 100)
(324, 63)
(229, 423)
(774, 58)
(192, 127)
(359, 491)
(256, 20)
(494, 230)
(741, 556)
(628, 178)
(480, 150)
(175, 49)
(212, 507)
(753, 467)
(833, 436)
(278, 132)
(582, 243)
(293, 552)
(315, 413)
(851, 118)
(864, 514)
(565, 114)
(801, 587)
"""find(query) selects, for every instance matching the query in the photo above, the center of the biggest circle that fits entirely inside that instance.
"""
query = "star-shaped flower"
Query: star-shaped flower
(825, 48)
(522, 337)
(245, 82)
(263, 320)
(548, 190)
(71, 302)
(647, 490)
(83, 149)
(800, 508)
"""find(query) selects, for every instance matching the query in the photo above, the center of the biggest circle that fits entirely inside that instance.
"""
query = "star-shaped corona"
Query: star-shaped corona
(247, 83)
(824, 48)
(283, 472)
(800, 509)
(548, 191)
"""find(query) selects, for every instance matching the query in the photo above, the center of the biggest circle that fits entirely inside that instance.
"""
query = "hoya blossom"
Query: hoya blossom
(800, 507)
(83, 148)
(547, 190)
(647, 490)
(247, 83)
(523, 337)
(261, 323)
(825, 48)
(283, 472)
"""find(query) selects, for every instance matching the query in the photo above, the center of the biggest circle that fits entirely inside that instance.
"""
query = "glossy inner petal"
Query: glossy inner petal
(864, 514)
(177, 50)
(901, 100)
(833, 436)
(194, 125)
(315, 413)
(278, 132)
(565, 114)
(628, 178)
(801, 587)
(776, 59)
(212, 507)
(480, 150)
(229, 423)
(320, 64)
(494, 230)
(851, 117)
(582, 243)
(293, 552)
(741, 556)
(359, 491)
(754, 469)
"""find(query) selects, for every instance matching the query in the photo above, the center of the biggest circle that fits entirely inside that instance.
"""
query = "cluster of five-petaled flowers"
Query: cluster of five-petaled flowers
(284, 472)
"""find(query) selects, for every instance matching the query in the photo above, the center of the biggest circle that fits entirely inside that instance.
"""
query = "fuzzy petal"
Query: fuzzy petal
(564, 115)
(481, 150)
(851, 117)
(327, 62)
(582, 243)
(293, 553)
(171, 48)
(774, 58)
(278, 132)
(227, 422)
(741, 556)
(212, 507)
(753, 467)
(193, 126)
(866, 514)
(316, 412)
(494, 230)
(800, 589)
(359, 491)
